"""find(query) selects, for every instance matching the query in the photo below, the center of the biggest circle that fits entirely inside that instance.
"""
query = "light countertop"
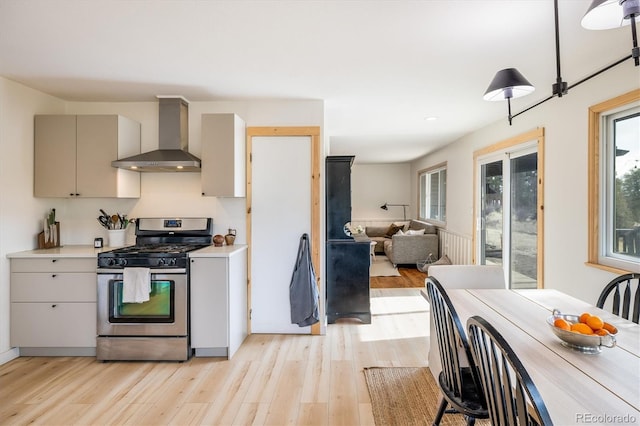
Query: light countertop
(224, 251)
(87, 251)
(62, 251)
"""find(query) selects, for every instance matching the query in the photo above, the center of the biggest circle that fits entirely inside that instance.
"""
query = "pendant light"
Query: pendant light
(608, 14)
(510, 83)
(506, 84)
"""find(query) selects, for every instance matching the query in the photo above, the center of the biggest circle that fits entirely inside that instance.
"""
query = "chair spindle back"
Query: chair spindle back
(512, 397)
(623, 296)
(450, 336)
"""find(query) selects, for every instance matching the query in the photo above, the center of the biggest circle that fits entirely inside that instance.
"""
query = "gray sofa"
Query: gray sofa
(405, 249)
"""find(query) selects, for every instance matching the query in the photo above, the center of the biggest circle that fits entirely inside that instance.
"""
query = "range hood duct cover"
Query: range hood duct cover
(173, 134)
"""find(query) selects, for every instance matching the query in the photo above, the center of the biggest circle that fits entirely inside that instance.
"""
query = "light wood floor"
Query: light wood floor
(272, 379)
(409, 277)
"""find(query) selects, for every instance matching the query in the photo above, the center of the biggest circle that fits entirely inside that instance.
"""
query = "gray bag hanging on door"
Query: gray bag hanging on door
(303, 290)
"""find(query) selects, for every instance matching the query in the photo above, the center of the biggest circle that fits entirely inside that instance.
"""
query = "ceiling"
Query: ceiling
(381, 67)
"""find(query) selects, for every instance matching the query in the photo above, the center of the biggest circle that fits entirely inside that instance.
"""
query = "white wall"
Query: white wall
(176, 194)
(20, 214)
(372, 185)
(566, 203)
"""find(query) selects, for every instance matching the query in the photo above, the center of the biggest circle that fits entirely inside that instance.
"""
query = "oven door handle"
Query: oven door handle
(153, 271)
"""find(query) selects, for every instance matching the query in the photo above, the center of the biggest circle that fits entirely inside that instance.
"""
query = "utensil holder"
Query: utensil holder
(117, 237)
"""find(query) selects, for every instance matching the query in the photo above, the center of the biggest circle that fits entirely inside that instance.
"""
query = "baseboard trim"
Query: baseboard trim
(9, 355)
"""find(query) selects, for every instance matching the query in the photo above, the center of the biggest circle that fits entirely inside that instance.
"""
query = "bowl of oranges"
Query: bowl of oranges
(585, 332)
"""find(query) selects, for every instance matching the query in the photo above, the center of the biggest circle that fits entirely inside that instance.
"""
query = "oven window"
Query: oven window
(160, 308)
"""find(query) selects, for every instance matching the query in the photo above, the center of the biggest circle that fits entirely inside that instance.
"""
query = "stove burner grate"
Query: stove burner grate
(155, 249)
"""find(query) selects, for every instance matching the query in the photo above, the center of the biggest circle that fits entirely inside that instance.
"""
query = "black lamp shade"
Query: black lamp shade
(507, 83)
(607, 14)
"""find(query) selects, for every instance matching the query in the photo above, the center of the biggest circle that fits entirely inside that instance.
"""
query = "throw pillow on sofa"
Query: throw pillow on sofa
(392, 230)
(415, 232)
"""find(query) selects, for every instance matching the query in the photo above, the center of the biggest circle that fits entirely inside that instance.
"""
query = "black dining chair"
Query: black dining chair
(512, 397)
(622, 297)
(459, 381)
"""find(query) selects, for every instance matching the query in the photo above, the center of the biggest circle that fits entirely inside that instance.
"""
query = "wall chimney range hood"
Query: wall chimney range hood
(172, 154)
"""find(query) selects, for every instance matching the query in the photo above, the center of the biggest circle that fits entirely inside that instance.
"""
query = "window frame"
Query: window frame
(599, 168)
(424, 198)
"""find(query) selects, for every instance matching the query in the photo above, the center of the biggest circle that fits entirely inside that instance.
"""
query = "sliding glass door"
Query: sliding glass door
(491, 213)
(507, 214)
(524, 221)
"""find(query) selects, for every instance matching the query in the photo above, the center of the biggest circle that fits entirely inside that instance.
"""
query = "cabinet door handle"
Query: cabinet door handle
(53, 275)
(54, 260)
(53, 306)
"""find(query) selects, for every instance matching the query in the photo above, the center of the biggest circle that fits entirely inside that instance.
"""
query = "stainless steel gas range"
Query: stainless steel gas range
(143, 291)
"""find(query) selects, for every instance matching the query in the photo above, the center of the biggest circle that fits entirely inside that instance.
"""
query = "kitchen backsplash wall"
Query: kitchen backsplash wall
(163, 195)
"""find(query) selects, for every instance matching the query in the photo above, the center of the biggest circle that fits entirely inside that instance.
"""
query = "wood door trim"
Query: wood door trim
(537, 135)
(312, 132)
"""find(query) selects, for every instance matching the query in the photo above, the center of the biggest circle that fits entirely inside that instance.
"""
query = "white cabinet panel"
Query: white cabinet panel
(55, 155)
(238, 316)
(53, 305)
(223, 155)
(73, 155)
(53, 324)
(209, 303)
(218, 304)
(47, 286)
(54, 264)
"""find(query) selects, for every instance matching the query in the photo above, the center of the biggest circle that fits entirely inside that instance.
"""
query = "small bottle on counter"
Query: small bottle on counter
(230, 237)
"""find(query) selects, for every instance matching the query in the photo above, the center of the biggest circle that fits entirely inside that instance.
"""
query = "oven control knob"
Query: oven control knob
(161, 262)
(111, 262)
(172, 261)
(122, 262)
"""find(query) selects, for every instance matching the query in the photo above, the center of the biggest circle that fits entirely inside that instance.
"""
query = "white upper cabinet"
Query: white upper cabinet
(73, 155)
(223, 155)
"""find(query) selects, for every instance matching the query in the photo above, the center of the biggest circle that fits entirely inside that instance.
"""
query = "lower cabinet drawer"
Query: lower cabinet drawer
(53, 324)
(54, 264)
(46, 286)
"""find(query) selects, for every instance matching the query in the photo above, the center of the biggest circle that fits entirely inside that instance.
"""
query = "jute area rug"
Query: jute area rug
(381, 266)
(407, 396)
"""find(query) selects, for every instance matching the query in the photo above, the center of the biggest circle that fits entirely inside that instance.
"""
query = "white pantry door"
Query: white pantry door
(280, 214)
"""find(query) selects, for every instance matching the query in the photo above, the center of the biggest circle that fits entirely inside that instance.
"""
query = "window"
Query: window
(433, 193)
(614, 183)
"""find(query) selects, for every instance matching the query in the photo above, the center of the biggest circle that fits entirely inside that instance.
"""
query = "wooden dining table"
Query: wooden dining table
(577, 387)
